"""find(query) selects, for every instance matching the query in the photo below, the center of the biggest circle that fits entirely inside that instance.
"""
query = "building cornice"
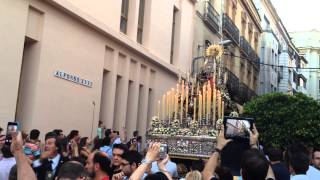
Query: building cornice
(253, 13)
(91, 22)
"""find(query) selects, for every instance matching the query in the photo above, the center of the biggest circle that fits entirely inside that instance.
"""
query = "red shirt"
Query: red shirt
(105, 178)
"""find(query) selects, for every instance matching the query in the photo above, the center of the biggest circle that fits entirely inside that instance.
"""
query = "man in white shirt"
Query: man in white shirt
(171, 167)
(298, 157)
(6, 162)
(314, 170)
(316, 158)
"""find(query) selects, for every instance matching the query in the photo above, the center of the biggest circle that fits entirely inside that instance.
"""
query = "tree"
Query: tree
(283, 119)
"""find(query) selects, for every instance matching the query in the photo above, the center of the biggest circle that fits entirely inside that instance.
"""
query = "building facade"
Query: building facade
(68, 64)
(280, 60)
(308, 43)
(238, 21)
(241, 25)
(270, 47)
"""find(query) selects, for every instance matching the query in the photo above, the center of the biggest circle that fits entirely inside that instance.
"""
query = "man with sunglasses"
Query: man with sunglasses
(129, 163)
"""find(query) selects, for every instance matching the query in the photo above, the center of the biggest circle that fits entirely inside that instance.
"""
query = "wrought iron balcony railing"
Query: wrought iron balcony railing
(245, 46)
(249, 52)
(232, 83)
(239, 92)
(230, 29)
(211, 17)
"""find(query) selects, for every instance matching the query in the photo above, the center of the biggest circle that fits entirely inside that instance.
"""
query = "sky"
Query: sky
(299, 15)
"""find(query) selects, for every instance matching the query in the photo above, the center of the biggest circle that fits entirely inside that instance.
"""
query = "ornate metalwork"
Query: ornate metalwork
(230, 29)
(211, 17)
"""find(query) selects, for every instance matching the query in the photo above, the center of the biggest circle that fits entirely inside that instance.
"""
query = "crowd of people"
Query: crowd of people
(111, 156)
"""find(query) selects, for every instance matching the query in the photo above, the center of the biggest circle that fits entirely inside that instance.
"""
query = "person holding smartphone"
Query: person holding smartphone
(170, 166)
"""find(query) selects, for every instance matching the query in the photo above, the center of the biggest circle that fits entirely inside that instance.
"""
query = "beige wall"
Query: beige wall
(11, 46)
(93, 49)
(108, 12)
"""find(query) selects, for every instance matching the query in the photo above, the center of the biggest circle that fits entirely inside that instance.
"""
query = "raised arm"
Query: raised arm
(24, 170)
(152, 155)
(212, 163)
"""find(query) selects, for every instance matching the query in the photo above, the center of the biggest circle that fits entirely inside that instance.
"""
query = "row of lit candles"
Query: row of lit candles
(208, 100)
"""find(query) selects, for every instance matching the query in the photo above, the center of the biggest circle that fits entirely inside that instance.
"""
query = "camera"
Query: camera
(12, 128)
(237, 128)
(163, 151)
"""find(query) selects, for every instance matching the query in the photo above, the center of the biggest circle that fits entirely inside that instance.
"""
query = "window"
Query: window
(256, 40)
(250, 32)
(243, 27)
(140, 21)
(175, 12)
(234, 9)
(242, 72)
(124, 16)
(227, 7)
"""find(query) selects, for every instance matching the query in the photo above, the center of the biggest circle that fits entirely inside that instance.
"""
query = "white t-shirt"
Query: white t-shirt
(5, 167)
(313, 173)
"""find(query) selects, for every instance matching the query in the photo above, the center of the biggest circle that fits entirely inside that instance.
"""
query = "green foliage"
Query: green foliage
(282, 119)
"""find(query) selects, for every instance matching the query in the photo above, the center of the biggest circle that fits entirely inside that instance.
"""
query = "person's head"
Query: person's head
(100, 124)
(52, 144)
(97, 143)
(254, 165)
(193, 175)
(156, 176)
(13, 173)
(84, 142)
(71, 170)
(316, 158)
(98, 163)
(1, 130)
(107, 133)
(117, 151)
(6, 152)
(58, 132)
(197, 165)
(139, 139)
(74, 135)
(135, 133)
(298, 158)
(182, 170)
(34, 134)
(224, 173)
(274, 154)
(114, 134)
(130, 161)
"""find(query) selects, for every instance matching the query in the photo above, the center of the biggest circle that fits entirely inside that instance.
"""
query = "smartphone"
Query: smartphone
(237, 128)
(163, 151)
(12, 127)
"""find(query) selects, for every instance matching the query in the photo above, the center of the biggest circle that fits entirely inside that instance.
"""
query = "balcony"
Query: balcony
(211, 17)
(256, 60)
(245, 46)
(239, 92)
(232, 83)
(249, 52)
(230, 29)
(245, 93)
